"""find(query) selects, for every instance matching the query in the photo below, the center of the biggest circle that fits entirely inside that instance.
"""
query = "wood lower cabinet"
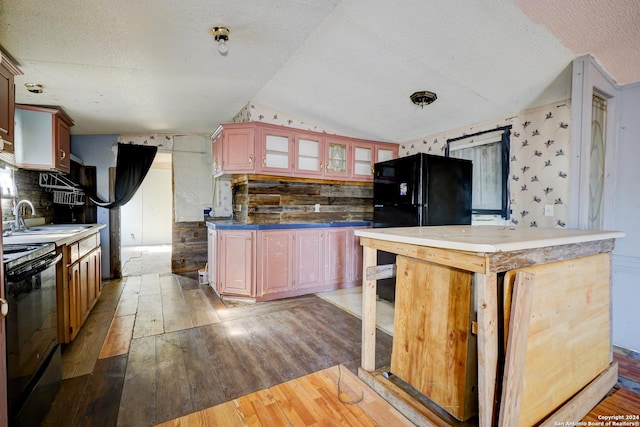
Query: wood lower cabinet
(79, 284)
(271, 264)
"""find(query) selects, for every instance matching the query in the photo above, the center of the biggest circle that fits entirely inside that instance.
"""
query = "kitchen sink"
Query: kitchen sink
(55, 229)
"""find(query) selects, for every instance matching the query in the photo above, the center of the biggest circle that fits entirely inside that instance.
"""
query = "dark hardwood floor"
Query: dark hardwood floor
(169, 373)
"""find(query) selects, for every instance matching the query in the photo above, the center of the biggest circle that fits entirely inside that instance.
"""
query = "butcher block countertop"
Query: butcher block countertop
(486, 238)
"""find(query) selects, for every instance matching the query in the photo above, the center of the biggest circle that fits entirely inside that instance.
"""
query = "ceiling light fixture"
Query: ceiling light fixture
(34, 87)
(423, 98)
(221, 34)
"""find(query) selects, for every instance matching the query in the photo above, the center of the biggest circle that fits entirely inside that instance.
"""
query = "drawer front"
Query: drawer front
(88, 244)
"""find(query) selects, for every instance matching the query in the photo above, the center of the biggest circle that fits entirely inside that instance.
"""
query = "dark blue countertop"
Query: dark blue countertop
(232, 225)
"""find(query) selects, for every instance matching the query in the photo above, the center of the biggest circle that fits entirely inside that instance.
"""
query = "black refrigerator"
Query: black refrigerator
(419, 190)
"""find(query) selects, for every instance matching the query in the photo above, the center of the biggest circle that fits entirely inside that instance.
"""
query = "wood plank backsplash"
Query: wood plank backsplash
(260, 200)
(188, 248)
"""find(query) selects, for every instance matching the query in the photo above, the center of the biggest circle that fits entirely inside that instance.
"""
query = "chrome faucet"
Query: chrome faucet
(18, 223)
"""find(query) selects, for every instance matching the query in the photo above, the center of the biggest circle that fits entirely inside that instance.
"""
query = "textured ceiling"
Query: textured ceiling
(122, 67)
(609, 30)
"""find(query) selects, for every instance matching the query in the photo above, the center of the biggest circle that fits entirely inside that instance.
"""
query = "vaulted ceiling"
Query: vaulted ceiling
(152, 66)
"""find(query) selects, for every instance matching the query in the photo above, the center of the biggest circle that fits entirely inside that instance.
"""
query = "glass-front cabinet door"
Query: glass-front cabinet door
(386, 152)
(277, 151)
(363, 160)
(338, 158)
(309, 154)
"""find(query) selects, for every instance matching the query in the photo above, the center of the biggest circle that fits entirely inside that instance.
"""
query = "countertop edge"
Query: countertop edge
(59, 239)
(463, 242)
(284, 226)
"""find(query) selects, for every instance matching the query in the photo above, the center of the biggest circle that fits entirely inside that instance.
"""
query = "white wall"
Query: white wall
(192, 177)
(146, 218)
(626, 218)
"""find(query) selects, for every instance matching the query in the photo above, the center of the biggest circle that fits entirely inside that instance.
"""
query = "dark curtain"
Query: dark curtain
(132, 165)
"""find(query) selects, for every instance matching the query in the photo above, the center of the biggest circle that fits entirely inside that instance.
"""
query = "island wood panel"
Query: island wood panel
(456, 259)
(508, 260)
(433, 347)
(568, 343)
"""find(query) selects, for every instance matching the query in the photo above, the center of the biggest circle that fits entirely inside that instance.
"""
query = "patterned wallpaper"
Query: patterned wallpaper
(258, 113)
(161, 141)
(539, 158)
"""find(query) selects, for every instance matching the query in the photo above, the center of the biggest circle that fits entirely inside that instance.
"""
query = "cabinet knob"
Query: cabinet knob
(251, 160)
(63, 154)
(264, 160)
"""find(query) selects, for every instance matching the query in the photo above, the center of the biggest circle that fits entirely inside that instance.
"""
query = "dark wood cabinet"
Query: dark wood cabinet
(79, 284)
(7, 101)
(43, 138)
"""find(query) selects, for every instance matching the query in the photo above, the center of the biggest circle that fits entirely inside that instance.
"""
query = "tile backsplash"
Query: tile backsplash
(28, 188)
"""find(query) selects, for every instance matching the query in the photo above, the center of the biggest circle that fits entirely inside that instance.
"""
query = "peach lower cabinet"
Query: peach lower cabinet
(262, 262)
(495, 325)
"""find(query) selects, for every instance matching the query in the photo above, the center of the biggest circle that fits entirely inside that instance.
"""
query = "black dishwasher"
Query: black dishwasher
(34, 365)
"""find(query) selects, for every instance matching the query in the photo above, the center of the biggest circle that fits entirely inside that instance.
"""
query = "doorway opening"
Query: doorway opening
(145, 222)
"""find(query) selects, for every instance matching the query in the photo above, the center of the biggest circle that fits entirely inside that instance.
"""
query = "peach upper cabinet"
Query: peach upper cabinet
(260, 148)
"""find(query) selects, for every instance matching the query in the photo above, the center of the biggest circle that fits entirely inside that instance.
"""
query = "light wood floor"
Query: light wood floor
(312, 400)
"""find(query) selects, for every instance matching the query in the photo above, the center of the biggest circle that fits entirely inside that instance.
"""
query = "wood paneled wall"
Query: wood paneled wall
(188, 248)
(265, 200)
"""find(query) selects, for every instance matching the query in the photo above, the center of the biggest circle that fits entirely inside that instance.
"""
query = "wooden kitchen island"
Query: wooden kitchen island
(495, 325)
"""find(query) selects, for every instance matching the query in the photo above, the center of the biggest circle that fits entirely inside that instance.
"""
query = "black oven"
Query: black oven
(34, 365)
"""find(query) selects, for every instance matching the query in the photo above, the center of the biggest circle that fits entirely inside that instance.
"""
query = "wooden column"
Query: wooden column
(487, 298)
(115, 261)
(368, 356)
